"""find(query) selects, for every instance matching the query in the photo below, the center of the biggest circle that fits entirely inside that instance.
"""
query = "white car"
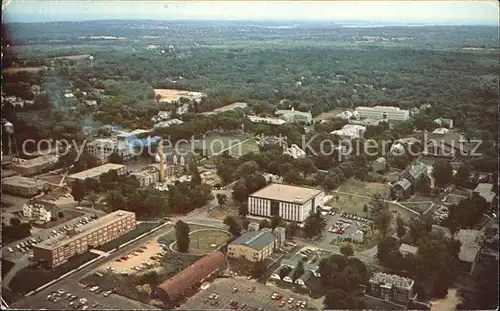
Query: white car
(11, 250)
(274, 296)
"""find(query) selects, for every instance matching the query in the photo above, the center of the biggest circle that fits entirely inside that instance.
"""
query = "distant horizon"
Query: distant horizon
(361, 23)
(460, 12)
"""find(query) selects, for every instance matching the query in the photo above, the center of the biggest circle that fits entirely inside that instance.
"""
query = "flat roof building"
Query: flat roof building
(470, 246)
(34, 166)
(23, 186)
(95, 172)
(57, 250)
(289, 202)
(387, 113)
(266, 120)
(350, 131)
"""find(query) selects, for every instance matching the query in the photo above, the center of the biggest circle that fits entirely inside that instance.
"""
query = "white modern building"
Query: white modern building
(383, 112)
(350, 131)
(167, 123)
(294, 116)
(273, 121)
(289, 202)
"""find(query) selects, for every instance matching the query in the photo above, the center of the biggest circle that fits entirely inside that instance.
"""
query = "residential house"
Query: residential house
(379, 165)
(40, 210)
(443, 122)
(414, 176)
(406, 249)
(485, 190)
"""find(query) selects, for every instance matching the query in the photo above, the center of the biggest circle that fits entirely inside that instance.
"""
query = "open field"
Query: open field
(418, 203)
(13, 70)
(360, 193)
(170, 95)
(329, 114)
(204, 241)
(214, 143)
(223, 211)
(73, 57)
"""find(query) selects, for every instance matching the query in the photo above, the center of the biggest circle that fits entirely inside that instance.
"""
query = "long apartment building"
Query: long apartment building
(291, 203)
(56, 251)
(387, 113)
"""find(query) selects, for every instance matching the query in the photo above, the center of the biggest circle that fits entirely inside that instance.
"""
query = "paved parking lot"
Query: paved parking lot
(259, 298)
(12, 252)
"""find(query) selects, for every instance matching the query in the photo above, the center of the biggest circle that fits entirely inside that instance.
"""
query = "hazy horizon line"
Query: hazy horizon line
(322, 21)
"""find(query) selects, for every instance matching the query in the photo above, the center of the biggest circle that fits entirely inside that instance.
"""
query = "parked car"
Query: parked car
(11, 250)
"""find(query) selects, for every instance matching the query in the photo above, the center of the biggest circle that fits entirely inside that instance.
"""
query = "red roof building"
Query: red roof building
(174, 287)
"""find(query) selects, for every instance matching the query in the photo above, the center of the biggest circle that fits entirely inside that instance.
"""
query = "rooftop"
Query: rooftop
(96, 171)
(275, 121)
(391, 280)
(199, 270)
(404, 183)
(255, 239)
(470, 244)
(21, 181)
(41, 160)
(286, 193)
(382, 108)
(293, 263)
(84, 230)
(485, 190)
(408, 248)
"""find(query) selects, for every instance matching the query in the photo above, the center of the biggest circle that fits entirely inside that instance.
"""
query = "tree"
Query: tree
(93, 197)
(243, 209)
(442, 171)
(195, 174)
(15, 222)
(264, 223)
(385, 247)
(275, 221)
(115, 158)
(299, 271)
(234, 227)
(336, 299)
(419, 228)
(382, 222)
(314, 225)
(60, 215)
(284, 271)
(347, 250)
(182, 236)
(400, 227)
(462, 175)
(78, 190)
(221, 198)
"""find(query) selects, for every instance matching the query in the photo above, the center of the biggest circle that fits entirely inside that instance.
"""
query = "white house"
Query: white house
(39, 210)
(295, 152)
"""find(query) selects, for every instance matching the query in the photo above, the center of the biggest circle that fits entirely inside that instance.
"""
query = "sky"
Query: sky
(484, 12)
